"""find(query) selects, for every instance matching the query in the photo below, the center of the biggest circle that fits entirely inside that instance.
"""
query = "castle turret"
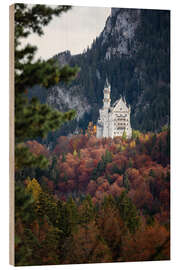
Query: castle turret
(107, 92)
(113, 120)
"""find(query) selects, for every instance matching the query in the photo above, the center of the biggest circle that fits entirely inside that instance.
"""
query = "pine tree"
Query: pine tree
(128, 212)
(33, 119)
(108, 156)
(126, 181)
(124, 136)
(63, 157)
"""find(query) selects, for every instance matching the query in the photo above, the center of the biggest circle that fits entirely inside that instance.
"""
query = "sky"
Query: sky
(74, 31)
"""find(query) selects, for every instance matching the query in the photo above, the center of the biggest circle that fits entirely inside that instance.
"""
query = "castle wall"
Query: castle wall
(113, 121)
(99, 133)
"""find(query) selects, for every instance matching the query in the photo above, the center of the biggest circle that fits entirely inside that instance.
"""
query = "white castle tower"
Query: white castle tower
(113, 121)
(107, 92)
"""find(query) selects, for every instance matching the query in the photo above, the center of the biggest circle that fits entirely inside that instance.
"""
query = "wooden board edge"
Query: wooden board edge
(11, 139)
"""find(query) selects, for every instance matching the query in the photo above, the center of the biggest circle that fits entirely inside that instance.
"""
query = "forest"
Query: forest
(142, 75)
(82, 200)
(98, 200)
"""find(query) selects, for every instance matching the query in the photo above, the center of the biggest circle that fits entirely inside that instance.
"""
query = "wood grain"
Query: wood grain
(11, 137)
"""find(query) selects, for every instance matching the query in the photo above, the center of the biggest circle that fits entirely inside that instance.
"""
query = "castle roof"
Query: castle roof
(120, 103)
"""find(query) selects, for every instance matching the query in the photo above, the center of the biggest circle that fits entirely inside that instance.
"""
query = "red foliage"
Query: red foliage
(62, 146)
(165, 198)
(148, 178)
(142, 161)
(147, 245)
(50, 185)
(91, 188)
(141, 196)
(37, 148)
(115, 190)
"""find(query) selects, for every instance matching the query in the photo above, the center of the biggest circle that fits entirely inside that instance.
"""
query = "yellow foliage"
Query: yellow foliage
(146, 137)
(34, 187)
(91, 130)
(132, 144)
(121, 147)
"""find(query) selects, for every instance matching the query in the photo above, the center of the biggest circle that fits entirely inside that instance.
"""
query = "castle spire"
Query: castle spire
(107, 85)
(107, 91)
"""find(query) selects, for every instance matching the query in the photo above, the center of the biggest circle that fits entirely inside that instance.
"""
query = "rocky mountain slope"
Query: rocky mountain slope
(133, 52)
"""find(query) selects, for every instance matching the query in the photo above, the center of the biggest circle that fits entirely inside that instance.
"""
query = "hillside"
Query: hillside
(133, 52)
(79, 198)
(99, 200)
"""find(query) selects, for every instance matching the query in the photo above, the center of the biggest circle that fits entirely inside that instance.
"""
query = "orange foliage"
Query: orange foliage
(141, 197)
(37, 148)
(87, 247)
(91, 188)
(62, 145)
(115, 190)
(146, 244)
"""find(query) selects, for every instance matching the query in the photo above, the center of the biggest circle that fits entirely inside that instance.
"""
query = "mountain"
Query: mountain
(133, 52)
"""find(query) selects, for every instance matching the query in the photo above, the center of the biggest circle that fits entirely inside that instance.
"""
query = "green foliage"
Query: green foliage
(99, 228)
(107, 158)
(63, 157)
(26, 253)
(142, 76)
(33, 18)
(24, 158)
(87, 212)
(46, 206)
(67, 217)
(33, 119)
(126, 181)
(75, 153)
(24, 204)
(53, 169)
(128, 212)
(152, 173)
(99, 170)
(135, 134)
(124, 136)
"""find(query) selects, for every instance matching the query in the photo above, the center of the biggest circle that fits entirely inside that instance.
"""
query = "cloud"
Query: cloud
(74, 31)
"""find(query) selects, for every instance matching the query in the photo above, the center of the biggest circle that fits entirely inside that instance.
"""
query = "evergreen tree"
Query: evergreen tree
(87, 212)
(33, 119)
(63, 157)
(128, 212)
(124, 136)
(126, 181)
(108, 156)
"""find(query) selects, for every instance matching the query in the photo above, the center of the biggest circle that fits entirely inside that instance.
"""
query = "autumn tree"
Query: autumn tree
(86, 246)
(91, 130)
(147, 244)
(34, 187)
(112, 229)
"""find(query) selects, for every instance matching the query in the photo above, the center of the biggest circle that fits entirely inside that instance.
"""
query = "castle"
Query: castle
(113, 120)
